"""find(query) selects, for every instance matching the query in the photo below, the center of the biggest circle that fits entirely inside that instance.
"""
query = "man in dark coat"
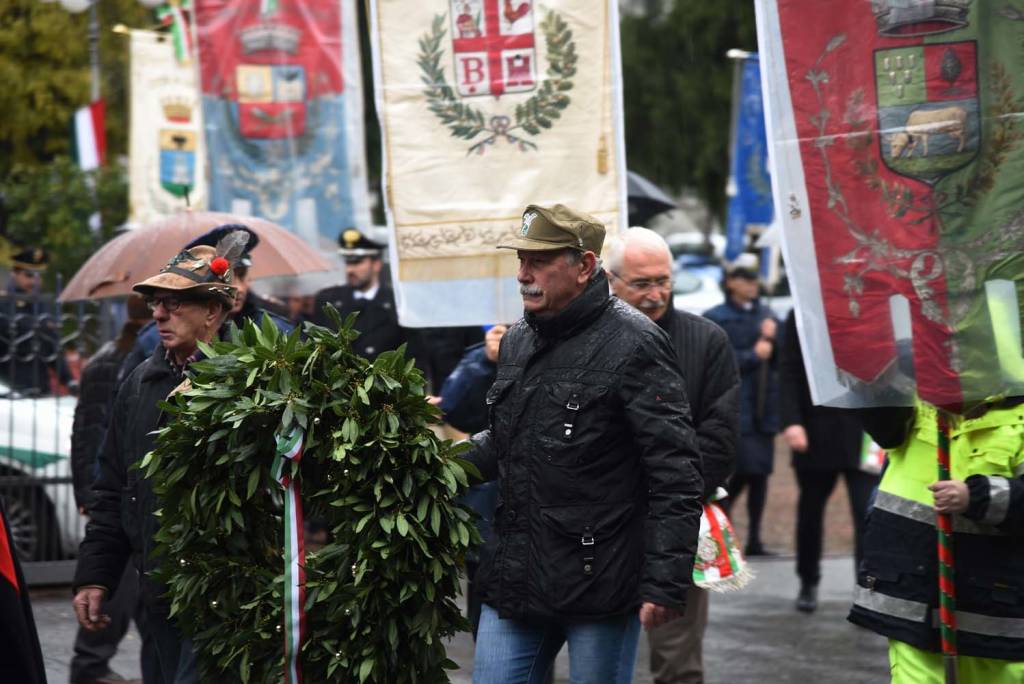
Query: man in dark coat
(597, 465)
(751, 327)
(365, 293)
(826, 442)
(29, 338)
(639, 264)
(190, 299)
(94, 649)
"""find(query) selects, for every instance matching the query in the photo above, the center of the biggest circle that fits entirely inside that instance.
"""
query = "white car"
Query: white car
(35, 475)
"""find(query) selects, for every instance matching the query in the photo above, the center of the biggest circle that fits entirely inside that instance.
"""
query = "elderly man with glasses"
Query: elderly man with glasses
(189, 298)
(639, 264)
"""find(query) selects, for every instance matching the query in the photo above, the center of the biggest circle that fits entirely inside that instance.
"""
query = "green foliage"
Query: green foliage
(678, 91)
(44, 68)
(380, 594)
(50, 206)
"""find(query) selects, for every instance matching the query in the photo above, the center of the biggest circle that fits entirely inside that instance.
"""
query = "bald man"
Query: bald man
(639, 266)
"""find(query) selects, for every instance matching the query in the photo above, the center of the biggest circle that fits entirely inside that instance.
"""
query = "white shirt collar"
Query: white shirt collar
(367, 294)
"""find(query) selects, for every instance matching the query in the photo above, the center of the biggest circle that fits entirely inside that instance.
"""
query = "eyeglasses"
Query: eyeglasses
(170, 304)
(646, 284)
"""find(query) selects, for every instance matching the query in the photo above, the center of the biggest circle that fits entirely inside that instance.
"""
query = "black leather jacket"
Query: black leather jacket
(599, 472)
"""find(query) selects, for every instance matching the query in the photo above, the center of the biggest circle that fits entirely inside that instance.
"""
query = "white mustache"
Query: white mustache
(531, 290)
(648, 304)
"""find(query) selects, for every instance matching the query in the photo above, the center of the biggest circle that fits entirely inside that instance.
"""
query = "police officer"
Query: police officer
(29, 342)
(364, 293)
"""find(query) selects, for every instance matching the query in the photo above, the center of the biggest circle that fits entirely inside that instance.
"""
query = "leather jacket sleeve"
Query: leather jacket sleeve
(658, 413)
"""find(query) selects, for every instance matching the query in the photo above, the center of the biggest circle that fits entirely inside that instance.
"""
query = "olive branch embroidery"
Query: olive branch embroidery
(532, 117)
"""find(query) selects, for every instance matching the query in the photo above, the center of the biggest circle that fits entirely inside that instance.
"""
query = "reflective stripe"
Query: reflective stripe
(925, 514)
(998, 500)
(976, 623)
(890, 605)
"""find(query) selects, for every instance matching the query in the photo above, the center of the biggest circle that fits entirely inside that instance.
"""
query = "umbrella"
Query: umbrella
(142, 252)
(645, 199)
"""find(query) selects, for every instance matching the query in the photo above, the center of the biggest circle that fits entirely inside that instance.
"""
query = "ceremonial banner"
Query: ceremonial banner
(750, 185)
(487, 106)
(898, 153)
(282, 105)
(166, 151)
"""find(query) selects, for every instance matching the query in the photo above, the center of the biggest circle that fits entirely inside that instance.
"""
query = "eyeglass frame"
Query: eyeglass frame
(651, 283)
(153, 302)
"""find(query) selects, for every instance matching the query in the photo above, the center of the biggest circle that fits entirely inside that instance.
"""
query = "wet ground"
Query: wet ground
(754, 636)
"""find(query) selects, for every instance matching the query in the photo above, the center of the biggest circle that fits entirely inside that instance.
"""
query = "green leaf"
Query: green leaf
(365, 669)
(402, 524)
(254, 481)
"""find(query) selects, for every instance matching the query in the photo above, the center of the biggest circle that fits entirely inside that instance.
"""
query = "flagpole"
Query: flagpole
(947, 589)
(94, 50)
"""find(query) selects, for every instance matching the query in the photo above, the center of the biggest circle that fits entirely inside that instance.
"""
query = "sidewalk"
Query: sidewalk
(754, 635)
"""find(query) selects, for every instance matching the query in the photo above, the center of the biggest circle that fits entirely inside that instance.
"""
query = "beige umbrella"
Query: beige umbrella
(142, 252)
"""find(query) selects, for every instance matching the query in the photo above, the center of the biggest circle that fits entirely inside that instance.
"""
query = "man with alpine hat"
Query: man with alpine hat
(29, 341)
(365, 293)
(247, 306)
(190, 299)
(599, 475)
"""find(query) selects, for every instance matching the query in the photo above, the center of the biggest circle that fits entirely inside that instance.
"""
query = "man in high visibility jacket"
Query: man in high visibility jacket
(897, 593)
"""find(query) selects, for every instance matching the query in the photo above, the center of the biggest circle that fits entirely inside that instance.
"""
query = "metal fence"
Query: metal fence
(43, 345)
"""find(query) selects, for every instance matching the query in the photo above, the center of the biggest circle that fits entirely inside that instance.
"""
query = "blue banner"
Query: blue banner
(282, 108)
(750, 201)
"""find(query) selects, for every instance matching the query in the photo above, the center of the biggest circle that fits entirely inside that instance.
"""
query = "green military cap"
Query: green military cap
(557, 227)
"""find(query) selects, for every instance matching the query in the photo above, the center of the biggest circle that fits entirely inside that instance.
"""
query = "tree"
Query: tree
(678, 92)
(44, 66)
(49, 206)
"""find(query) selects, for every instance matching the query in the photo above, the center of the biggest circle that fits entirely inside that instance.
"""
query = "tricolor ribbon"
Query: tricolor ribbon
(286, 467)
(173, 14)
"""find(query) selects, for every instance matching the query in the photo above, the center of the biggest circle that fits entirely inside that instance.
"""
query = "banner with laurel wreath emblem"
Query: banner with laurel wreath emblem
(487, 106)
(898, 147)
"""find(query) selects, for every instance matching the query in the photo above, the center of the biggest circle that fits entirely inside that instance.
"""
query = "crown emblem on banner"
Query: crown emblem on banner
(906, 18)
(268, 36)
(176, 111)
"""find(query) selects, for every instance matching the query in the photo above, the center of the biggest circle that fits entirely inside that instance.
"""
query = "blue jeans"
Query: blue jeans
(519, 652)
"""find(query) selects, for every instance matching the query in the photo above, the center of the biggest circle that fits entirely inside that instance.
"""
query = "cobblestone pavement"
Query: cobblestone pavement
(754, 635)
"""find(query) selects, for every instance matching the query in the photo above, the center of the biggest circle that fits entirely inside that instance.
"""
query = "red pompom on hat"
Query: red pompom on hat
(220, 266)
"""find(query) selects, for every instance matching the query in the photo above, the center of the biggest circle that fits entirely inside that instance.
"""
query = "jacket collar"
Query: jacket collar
(669, 317)
(580, 312)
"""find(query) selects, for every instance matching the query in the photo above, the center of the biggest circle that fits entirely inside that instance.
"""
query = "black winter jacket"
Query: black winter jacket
(599, 472)
(96, 389)
(834, 435)
(706, 359)
(121, 522)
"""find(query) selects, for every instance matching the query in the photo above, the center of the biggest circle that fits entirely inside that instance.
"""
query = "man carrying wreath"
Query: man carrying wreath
(190, 298)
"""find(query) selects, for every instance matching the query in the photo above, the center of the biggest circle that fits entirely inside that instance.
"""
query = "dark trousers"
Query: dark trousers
(93, 650)
(816, 487)
(167, 656)
(756, 497)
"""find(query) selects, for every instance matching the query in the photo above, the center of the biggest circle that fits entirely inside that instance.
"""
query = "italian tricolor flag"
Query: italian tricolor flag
(90, 138)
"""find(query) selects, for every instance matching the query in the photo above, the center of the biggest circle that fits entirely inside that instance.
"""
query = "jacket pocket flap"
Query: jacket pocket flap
(601, 521)
(574, 395)
(498, 390)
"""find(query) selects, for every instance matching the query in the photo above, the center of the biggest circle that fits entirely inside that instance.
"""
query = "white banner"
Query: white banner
(167, 157)
(486, 107)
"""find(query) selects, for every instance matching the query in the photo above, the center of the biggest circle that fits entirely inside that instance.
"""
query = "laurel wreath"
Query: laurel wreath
(380, 593)
(532, 117)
